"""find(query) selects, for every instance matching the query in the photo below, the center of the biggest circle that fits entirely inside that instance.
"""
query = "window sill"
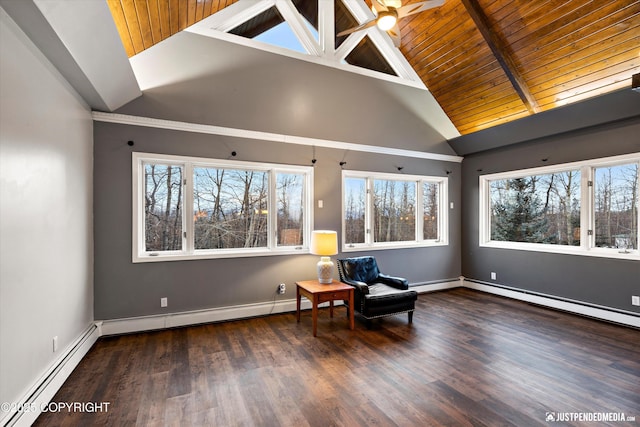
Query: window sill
(568, 250)
(142, 258)
(385, 246)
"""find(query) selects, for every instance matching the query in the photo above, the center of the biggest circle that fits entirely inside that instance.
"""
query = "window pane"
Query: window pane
(537, 209)
(290, 187)
(162, 207)
(230, 208)
(393, 206)
(355, 196)
(616, 206)
(430, 199)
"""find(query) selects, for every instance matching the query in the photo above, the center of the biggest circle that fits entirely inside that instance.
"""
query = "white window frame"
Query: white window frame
(188, 252)
(587, 209)
(369, 244)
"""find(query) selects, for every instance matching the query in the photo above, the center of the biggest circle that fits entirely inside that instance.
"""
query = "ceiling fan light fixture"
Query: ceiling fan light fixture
(387, 19)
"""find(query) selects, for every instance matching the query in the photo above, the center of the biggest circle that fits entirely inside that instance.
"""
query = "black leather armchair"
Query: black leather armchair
(376, 294)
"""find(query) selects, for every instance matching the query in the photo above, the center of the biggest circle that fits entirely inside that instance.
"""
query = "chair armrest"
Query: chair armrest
(361, 287)
(396, 282)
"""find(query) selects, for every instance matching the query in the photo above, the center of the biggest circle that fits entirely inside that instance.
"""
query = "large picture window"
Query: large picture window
(586, 207)
(234, 208)
(541, 208)
(389, 210)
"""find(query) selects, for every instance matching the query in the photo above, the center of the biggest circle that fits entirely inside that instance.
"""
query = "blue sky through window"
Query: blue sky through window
(282, 35)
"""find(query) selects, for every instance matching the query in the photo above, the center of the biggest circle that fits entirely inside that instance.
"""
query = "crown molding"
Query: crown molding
(265, 136)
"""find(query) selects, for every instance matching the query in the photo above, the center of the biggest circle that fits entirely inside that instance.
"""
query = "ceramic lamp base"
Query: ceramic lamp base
(325, 270)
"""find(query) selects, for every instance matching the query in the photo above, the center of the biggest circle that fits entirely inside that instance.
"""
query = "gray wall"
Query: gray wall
(124, 289)
(46, 249)
(592, 280)
(198, 79)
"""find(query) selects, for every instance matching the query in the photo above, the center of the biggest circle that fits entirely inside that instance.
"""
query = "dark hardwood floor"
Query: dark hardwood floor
(468, 359)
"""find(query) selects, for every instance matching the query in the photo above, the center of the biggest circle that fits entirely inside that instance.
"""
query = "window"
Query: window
(585, 208)
(385, 210)
(235, 208)
(616, 206)
(162, 207)
(537, 208)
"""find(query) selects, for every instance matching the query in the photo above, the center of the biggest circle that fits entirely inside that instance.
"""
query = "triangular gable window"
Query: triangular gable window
(281, 35)
(366, 55)
(270, 27)
(297, 26)
(309, 10)
(259, 24)
(344, 21)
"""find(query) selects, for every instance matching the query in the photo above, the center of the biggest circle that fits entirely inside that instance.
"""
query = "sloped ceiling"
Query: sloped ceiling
(487, 62)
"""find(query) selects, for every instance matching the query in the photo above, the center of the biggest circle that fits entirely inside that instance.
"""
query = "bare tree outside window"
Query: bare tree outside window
(394, 210)
(163, 207)
(430, 200)
(230, 208)
(616, 206)
(355, 196)
(234, 208)
(290, 188)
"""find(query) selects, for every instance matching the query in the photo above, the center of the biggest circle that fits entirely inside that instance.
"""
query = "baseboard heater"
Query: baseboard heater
(626, 318)
(45, 388)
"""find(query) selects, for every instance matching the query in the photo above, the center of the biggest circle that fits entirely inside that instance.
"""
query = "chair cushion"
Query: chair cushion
(381, 295)
(362, 269)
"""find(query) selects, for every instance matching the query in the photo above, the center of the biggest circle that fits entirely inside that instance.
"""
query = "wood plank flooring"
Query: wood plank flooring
(468, 359)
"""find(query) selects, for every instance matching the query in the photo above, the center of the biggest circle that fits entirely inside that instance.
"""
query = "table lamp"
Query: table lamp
(324, 243)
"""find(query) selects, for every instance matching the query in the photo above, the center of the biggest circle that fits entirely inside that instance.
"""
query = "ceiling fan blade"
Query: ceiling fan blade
(410, 9)
(358, 28)
(378, 5)
(394, 33)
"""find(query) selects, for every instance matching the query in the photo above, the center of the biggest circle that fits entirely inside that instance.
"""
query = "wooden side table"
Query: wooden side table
(318, 293)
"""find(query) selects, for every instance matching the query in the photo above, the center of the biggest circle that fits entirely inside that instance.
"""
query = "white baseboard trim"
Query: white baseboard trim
(163, 321)
(572, 307)
(153, 322)
(45, 387)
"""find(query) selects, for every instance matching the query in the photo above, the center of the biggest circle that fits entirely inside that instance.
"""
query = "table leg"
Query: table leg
(314, 314)
(351, 317)
(298, 304)
(331, 308)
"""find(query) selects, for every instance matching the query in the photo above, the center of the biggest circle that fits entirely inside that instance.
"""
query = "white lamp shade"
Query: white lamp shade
(324, 242)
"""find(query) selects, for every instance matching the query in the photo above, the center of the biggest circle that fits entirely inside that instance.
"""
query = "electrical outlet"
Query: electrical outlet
(163, 302)
(635, 300)
(282, 288)
(493, 275)
(55, 344)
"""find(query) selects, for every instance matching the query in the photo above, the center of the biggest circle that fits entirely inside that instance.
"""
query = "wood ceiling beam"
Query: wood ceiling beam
(501, 52)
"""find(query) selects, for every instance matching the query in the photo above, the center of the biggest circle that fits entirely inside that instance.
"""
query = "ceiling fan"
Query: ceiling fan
(388, 12)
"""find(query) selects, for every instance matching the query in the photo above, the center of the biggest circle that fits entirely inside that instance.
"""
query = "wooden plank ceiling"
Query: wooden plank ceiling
(487, 62)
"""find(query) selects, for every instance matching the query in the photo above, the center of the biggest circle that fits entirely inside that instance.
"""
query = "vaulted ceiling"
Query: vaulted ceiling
(486, 62)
